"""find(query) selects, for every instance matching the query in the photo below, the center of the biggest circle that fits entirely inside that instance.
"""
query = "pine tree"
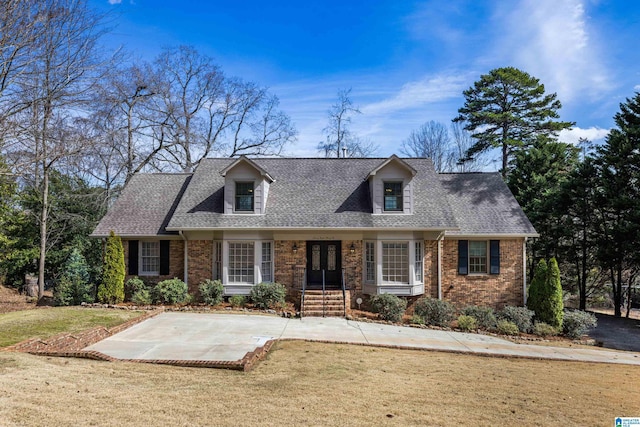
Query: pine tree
(619, 197)
(508, 108)
(111, 290)
(74, 287)
(536, 287)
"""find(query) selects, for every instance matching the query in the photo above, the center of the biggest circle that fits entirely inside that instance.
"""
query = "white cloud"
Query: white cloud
(636, 87)
(419, 93)
(573, 135)
(115, 1)
(553, 41)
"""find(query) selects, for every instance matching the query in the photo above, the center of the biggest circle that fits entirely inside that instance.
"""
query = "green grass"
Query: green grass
(18, 326)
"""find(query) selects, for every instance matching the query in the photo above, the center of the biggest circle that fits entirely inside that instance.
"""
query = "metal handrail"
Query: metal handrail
(324, 302)
(344, 295)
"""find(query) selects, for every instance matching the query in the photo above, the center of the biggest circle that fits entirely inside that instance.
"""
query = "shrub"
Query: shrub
(266, 295)
(74, 287)
(171, 291)
(435, 312)
(467, 323)
(141, 297)
(577, 323)
(390, 307)
(507, 327)
(417, 320)
(132, 286)
(544, 329)
(111, 290)
(520, 316)
(554, 307)
(485, 316)
(211, 291)
(535, 295)
(237, 301)
(545, 294)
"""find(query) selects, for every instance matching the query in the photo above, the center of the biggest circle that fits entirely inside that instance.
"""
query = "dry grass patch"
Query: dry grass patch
(18, 326)
(318, 384)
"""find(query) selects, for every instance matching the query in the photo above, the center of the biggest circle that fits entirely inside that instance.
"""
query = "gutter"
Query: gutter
(186, 258)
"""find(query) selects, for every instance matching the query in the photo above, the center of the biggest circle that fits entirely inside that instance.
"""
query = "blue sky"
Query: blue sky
(407, 62)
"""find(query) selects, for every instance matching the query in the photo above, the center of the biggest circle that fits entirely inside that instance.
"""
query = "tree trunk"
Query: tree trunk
(43, 230)
(617, 292)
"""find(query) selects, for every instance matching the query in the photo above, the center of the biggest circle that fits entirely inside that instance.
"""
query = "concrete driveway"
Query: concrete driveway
(229, 337)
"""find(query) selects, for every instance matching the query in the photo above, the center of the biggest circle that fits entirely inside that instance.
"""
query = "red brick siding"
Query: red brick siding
(485, 289)
(176, 262)
(200, 262)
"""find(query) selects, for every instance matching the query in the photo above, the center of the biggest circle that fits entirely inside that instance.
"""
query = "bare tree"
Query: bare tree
(461, 142)
(53, 89)
(340, 140)
(430, 140)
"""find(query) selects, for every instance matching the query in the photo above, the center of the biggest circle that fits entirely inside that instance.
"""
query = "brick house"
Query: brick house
(373, 225)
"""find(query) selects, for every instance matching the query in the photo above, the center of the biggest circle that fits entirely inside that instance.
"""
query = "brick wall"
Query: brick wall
(176, 262)
(485, 289)
(289, 266)
(352, 264)
(200, 262)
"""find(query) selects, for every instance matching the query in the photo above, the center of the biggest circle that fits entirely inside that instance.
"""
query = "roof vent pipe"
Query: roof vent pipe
(344, 152)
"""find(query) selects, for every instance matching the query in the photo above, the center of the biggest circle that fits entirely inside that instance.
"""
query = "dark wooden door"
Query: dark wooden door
(324, 256)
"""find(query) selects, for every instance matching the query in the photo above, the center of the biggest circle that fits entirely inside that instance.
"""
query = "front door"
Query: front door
(324, 256)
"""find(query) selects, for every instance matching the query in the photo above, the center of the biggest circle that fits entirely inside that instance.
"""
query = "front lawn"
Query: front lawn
(303, 383)
(18, 326)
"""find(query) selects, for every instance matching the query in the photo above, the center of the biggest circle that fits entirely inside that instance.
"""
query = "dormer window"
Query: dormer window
(392, 196)
(244, 197)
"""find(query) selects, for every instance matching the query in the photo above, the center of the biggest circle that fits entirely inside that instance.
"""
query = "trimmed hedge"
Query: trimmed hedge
(388, 306)
(171, 291)
(268, 295)
(211, 291)
(435, 312)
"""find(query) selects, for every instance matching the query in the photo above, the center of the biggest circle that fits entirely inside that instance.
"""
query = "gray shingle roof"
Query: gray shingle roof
(483, 204)
(313, 193)
(145, 206)
(316, 193)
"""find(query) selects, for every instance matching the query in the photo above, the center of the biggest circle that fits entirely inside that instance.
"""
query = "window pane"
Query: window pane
(244, 196)
(150, 257)
(395, 262)
(241, 259)
(477, 256)
(315, 257)
(370, 262)
(418, 262)
(267, 262)
(392, 196)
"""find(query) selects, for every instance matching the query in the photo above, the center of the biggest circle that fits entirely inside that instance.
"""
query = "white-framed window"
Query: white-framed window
(241, 262)
(217, 260)
(395, 262)
(418, 262)
(370, 262)
(266, 265)
(150, 258)
(477, 257)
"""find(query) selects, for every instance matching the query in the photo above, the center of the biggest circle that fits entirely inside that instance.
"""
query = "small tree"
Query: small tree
(111, 290)
(74, 287)
(534, 299)
(553, 307)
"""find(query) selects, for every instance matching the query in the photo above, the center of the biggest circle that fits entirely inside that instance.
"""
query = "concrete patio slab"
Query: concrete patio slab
(229, 337)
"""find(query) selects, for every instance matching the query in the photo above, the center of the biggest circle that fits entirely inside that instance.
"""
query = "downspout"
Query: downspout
(186, 258)
(439, 243)
(524, 271)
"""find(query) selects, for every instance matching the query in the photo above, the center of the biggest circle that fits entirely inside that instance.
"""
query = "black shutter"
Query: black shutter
(164, 257)
(494, 251)
(463, 256)
(133, 257)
